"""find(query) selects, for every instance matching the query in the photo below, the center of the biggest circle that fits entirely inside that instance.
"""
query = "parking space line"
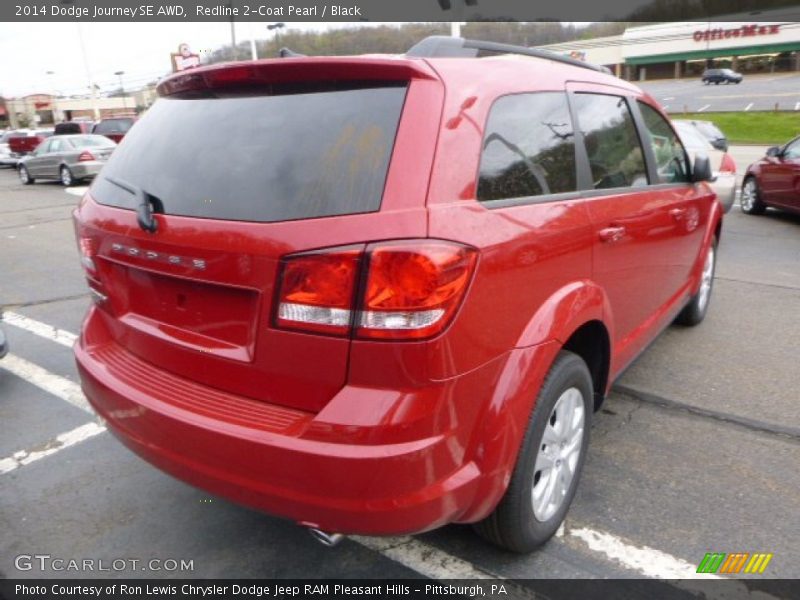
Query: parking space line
(65, 440)
(748, 107)
(422, 558)
(702, 108)
(797, 105)
(59, 336)
(648, 561)
(51, 383)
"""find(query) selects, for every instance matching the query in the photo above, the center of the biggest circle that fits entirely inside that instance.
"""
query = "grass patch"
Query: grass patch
(769, 127)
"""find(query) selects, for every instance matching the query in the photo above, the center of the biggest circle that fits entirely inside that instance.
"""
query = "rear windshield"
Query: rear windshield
(113, 126)
(709, 130)
(260, 158)
(94, 141)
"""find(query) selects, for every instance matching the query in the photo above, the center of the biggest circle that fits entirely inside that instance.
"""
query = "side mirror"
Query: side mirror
(775, 151)
(701, 170)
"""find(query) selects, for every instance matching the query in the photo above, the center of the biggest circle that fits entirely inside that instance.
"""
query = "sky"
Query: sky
(142, 51)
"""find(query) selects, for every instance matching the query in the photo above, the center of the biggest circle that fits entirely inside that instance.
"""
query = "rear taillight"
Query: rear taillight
(88, 249)
(728, 164)
(85, 156)
(392, 290)
(413, 289)
(316, 291)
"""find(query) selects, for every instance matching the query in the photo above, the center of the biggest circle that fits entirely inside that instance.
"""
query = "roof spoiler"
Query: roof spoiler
(440, 46)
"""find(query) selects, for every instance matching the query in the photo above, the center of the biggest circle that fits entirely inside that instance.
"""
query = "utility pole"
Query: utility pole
(92, 86)
(233, 33)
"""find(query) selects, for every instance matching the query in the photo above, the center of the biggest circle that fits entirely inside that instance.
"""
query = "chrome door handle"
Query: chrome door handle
(677, 213)
(612, 234)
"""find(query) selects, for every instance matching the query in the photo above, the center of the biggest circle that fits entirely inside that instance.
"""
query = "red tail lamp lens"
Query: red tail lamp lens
(85, 156)
(413, 289)
(88, 250)
(728, 164)
(317, 289)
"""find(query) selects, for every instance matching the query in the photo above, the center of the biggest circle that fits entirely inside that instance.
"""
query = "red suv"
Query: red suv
(396, 299)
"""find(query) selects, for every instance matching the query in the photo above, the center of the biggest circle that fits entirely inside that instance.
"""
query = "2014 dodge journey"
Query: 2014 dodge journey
(396, 292)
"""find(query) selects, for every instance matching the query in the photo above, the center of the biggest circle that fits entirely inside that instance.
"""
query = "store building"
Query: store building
(767, 43)
(42, 110)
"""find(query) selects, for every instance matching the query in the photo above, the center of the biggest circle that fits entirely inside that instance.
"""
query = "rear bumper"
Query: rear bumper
(274, 459)
(84, 170)
(725, 189)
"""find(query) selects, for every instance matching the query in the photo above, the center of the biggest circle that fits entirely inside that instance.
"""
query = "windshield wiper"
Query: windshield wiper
(144, 205)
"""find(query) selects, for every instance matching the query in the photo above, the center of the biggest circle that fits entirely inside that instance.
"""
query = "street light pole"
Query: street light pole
(52, 93)
(122, 89)
(276, 27)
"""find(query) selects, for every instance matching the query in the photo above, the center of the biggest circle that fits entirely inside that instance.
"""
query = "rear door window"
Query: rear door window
(263, 158)
(612, 145)
(671, 160)
(528, 148)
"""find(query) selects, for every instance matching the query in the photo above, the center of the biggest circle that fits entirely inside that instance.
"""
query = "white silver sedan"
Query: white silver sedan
(722, 164)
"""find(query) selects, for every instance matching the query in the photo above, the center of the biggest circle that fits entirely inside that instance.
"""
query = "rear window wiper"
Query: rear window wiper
(146, 204)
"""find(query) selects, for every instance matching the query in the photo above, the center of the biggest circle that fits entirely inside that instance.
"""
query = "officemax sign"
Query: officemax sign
(744, 31)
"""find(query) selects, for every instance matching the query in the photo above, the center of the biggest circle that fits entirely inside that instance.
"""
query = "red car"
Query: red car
(23, 143)
(399, 299)
(114, 128)
(773, 181)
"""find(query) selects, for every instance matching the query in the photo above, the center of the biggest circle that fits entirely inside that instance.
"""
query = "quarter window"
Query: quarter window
(528, 148)
(612, 145)
(671, 162)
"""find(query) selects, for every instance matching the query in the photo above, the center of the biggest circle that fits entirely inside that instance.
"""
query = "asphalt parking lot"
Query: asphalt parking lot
(696, 449)
(755, 92)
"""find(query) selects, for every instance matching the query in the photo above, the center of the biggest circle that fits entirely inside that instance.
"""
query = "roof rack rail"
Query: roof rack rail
(441, 46)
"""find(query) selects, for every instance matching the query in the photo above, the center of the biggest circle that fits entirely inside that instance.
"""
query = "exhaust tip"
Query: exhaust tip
(326, 539)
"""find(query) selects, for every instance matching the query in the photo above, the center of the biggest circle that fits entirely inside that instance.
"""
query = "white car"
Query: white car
(5, 151)
(722, 163)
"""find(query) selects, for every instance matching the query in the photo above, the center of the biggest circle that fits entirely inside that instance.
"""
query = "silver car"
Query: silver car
(722, 164)
(67, 158)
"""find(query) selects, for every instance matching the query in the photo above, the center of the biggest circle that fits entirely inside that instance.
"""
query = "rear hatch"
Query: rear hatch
(242, 168)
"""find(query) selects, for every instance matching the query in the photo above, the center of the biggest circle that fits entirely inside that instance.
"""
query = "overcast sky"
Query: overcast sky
(142, 50)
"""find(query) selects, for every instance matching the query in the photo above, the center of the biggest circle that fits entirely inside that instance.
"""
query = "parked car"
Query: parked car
(399, 303)
(114, 128)
(712, 133)
(5, 149)
(773, 180)
(67, 158)
(722, 164)
(717, 76)
(73, 127)
(22, 142)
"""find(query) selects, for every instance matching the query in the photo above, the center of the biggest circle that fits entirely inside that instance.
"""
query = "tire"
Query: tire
(521, 522)
(751, 197)
(24, 176)
(65, 175)
(694, 312)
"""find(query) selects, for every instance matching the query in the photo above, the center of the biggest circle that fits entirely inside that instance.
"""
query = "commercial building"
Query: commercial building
(767, 42)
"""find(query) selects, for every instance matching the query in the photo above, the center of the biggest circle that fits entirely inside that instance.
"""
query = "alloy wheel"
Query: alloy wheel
(557, 459)
(707, 280)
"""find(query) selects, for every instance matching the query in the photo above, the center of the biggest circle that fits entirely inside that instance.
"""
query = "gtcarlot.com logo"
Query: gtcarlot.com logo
(47, 562)
(736, 563)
